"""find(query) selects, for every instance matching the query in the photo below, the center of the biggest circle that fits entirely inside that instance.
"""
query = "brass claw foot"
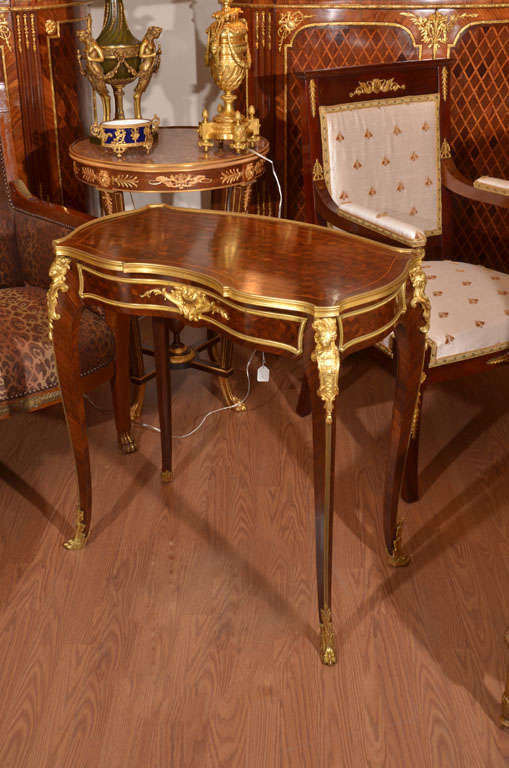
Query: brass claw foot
(398, 558)
(127, 443)
(80, 537)
(327, 639)
(167, 476)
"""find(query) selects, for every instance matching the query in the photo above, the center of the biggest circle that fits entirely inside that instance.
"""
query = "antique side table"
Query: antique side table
(175, 164)
(280, 286)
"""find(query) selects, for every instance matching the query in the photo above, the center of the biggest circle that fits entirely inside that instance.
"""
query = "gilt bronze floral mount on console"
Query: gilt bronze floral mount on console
(117, 58)
(229, 60)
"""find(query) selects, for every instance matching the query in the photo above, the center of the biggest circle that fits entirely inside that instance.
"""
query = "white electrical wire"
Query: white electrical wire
(268, 160)
(225, 407)
(204, 419)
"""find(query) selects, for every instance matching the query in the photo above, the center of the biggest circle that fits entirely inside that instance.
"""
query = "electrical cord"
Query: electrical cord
(268, 160)
(204, 419)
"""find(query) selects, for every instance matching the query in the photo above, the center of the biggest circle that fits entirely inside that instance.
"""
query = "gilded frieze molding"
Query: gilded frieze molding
(434, 29)
(192, 303)
(180, 180)
(288, 22)
(58, 274)
(377, 85)
(105, 179)
(326, 356)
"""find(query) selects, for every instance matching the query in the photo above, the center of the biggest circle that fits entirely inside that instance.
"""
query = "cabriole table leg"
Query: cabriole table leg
(120, 327)
(65, 311)
(323, 381)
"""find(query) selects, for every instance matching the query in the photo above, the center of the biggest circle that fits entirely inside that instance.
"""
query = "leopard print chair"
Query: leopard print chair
(28, 375)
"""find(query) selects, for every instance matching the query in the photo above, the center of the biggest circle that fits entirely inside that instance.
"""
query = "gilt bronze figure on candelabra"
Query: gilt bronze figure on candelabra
(117, 58)
(229, 60)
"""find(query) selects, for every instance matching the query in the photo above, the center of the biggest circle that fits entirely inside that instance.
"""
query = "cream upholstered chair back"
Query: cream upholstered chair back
(383, 157)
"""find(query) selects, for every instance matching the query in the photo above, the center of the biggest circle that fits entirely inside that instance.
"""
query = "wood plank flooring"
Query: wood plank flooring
(185, 634)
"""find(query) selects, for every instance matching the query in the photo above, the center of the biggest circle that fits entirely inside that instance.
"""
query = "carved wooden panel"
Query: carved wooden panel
(40, 73)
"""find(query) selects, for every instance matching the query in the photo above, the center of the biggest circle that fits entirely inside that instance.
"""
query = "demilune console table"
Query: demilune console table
(280, 286)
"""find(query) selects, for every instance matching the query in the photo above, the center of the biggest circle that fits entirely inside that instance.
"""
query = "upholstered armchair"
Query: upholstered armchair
(378, 163)
(28, 376)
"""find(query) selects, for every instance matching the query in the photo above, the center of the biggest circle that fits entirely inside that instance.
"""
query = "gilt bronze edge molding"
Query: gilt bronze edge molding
(243, 297)
(207, 212)
(415, 6)
(112, 165)
(364, 300)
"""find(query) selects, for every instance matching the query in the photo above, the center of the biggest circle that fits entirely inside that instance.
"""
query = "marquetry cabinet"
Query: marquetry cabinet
(39, 94)
(290, 38)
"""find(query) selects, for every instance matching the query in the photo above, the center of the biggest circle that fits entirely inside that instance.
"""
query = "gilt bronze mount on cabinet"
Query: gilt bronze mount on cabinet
(229, 60)
(117, 58)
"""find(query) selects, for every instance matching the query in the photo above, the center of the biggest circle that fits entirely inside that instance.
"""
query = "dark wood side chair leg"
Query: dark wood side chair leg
(323, 384)
(410, 339)
(120, 327)
(65, 309)
(160, 327)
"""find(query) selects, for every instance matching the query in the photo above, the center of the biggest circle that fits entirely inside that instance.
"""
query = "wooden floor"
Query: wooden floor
(185, 634)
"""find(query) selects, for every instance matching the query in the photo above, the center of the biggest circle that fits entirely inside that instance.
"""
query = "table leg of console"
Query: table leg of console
(160, 329)
(323, 378)
(64, 328)
(120, 325)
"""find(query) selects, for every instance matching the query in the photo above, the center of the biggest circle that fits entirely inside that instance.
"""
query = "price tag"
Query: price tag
(263, 373)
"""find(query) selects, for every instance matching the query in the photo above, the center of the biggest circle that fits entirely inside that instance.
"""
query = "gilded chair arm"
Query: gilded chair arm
(362, 221)
(455, 182)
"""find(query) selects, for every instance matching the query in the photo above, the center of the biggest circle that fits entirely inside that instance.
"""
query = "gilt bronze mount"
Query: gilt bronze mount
(117, 58)
(229, 60)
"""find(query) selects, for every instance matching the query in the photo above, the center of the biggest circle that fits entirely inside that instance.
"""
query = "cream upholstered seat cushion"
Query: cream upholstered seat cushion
(469, 311)
(385, 156)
